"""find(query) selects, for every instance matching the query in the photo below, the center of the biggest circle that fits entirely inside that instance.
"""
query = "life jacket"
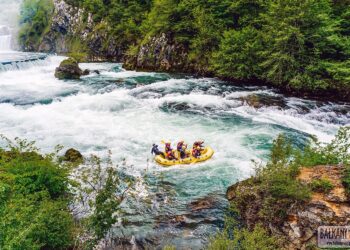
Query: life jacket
(195, 152)
(179, 145)
(168, 148)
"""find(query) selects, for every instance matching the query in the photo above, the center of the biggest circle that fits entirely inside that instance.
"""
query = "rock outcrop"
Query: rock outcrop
(160, 54)
(300, 228)
(73, 30)
(69, 69)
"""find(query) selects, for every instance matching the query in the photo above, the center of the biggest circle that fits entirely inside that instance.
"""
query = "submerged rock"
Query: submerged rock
(259, 101)
(204, 203)
(74, 156)
(86, 72)
(69, 69)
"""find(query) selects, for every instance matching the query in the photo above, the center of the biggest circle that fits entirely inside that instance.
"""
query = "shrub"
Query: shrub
(244, 239)
(321, 185)
(34, 200)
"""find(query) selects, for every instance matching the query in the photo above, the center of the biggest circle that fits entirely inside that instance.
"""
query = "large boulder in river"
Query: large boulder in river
(68, 69)
(73, 155)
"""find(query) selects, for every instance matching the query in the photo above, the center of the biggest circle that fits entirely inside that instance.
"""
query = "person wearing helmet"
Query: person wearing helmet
(181, 148)
(155, 150)
(197, 148)
(169, 152)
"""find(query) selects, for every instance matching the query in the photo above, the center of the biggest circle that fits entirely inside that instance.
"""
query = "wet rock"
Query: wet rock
(68, 69)
(86, 72)
(74, 156)
(161, 53)
(119, 81)
(259, 101)
(182, 220)
(204, 203)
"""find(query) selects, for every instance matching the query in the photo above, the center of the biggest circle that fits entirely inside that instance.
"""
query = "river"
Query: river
(126, 111)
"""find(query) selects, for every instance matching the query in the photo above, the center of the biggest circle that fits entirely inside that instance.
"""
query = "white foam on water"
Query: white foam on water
(34, 83)
(121, 121)
(127, 74)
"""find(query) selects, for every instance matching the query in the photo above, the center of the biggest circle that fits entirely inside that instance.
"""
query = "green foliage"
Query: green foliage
(321, 185)
(35, 19)
(335, 152)
(102, 189)
(39, 202)
(277, 180)
(238, 56)
(275, 188)
(34, 199)
(79, 50)
(244, 239)
(169, 248)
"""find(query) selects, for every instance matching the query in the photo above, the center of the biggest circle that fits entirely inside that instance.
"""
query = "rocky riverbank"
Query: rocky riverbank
(298, 228)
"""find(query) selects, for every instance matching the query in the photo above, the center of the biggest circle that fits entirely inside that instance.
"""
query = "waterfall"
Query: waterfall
(9, 19)
(5, 38)
(10, 57)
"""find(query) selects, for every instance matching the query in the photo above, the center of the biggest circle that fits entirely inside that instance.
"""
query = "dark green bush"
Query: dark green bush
(34, 200)
(244, 239)
(321, 185)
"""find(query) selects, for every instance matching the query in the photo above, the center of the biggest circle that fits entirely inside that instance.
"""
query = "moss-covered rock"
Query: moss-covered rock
(68, 69)
(74, 156)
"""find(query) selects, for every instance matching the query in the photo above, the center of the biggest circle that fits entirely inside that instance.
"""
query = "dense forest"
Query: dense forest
(300, 45)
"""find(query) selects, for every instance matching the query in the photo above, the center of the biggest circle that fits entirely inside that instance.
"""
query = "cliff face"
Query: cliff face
(73, 30)
(160, 54)
(300, 228)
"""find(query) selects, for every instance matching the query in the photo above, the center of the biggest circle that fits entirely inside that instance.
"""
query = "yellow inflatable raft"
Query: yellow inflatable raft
(206, 154)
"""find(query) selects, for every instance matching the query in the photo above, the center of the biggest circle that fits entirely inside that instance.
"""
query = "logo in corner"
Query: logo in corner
(333, 236)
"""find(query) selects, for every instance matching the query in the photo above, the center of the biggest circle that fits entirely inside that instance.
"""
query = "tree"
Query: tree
(238, 55)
